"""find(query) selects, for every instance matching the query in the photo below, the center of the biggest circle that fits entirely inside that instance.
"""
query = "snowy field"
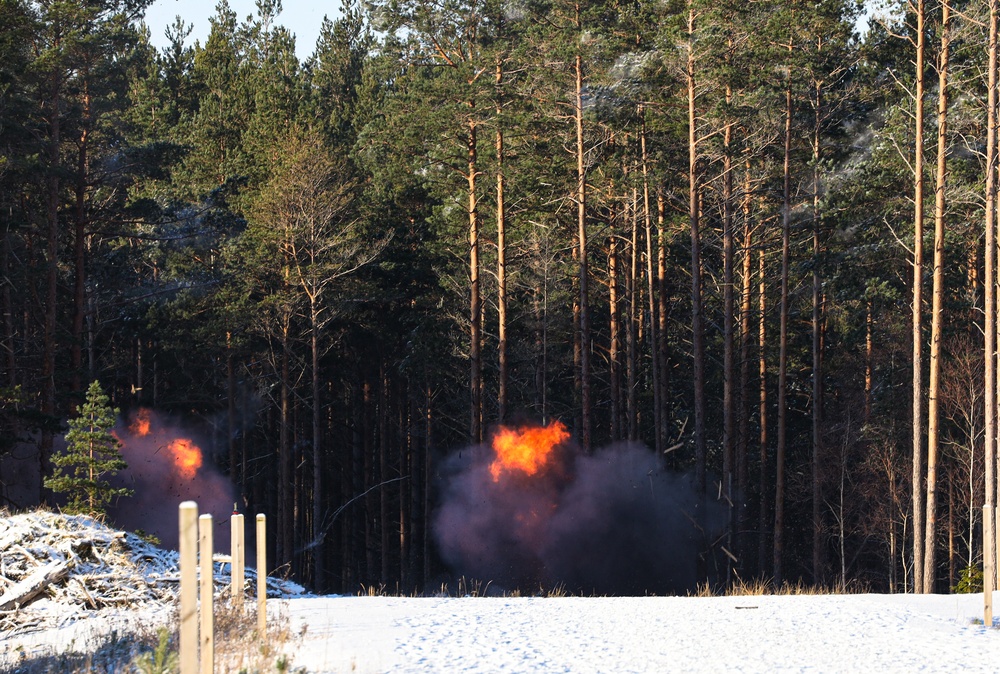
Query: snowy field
(114, 583)
(854, 633)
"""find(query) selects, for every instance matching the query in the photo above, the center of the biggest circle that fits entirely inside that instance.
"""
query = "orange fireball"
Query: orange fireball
(186, 456)
(526, 449)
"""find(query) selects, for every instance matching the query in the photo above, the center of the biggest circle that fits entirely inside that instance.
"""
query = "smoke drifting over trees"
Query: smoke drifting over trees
(612, 522)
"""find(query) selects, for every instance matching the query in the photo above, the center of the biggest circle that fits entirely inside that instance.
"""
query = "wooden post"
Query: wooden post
(262, 576)
(988, 564)
(188, 550)
(238, 560)
(207, 586)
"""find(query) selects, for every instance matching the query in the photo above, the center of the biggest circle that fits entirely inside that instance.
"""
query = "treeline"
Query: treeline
(687, 224)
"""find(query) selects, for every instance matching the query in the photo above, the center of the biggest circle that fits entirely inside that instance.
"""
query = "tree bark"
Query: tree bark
(79, 243)
(632, 345)
(658, 411)
(990, 322)
(743, 448)
(475, 303)
(581, 219)
(501, 262)
(817, 349)
(786, 227)
(614, 354)
(762, 406)
(318, 532)
(697, 327)
(917, 322)
(728, 345)
(937, 308)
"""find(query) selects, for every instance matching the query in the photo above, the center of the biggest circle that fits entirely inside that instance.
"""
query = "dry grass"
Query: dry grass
(758, 587)
(153, 650)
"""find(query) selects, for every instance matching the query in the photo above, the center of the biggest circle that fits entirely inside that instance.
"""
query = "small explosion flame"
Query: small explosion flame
(165, 467)
(532, 509)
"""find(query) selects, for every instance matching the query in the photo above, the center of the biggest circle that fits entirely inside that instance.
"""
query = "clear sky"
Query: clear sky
(302, 17)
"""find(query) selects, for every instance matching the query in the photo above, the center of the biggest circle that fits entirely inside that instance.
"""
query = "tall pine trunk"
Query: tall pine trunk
(475, 300)
(990, 325)
(817, 350)
(79, 243)
(728, 350)
(581, 221)
(502, 394)
(743, 447)
(697, 327)
(786, 227)
(318, 535)
(917, 308)
(937, 305)
(658, 411)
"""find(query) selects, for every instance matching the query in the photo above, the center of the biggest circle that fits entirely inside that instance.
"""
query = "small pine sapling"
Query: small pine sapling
(92, 455)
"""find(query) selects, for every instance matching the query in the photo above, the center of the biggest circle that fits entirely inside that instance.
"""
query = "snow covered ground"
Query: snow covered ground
(117, 582)
(833, 633)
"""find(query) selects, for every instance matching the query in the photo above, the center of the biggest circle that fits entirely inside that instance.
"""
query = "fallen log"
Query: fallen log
(24, 591)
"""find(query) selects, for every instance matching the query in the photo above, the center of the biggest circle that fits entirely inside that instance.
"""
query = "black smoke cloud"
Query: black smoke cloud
(613, 522)
(159, 486)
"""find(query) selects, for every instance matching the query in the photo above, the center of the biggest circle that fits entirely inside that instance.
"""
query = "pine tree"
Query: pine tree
(92, 455)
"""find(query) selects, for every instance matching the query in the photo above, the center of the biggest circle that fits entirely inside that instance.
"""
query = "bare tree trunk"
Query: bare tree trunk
(990, 324)
(817, 353)
(614, 355)
(697, 327)
(661, 294)
(231, 428)
(581, 219)
(9, 331)
(52, 276)
(659, 433)
(632, 345)
(318, 534)
(937, 308)
(918, 272)
(383, 476)
(501, 261)
(285, 478)
(79, 244)
(743, 448)
(728, 356)
(762, 406)
(475, 302)
(786, 226)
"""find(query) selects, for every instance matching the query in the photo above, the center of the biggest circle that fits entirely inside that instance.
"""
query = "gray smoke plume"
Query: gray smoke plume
(613, 522)
(160, 485)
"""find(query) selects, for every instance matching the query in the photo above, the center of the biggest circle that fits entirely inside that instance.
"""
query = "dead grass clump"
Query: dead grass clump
(151, 650)
(239, 647)
(757, 587)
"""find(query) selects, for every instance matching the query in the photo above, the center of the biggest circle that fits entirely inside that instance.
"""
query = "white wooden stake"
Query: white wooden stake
(262, 576)
(988, 562)
(207, 584)
(188, 549)
(238, 560)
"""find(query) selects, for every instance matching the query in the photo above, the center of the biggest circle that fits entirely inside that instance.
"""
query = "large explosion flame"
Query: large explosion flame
(533, 510)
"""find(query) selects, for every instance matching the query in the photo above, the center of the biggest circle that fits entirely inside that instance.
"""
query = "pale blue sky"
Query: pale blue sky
(302, 17)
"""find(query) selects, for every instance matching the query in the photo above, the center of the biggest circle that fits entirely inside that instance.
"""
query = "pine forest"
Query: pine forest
(752, 243)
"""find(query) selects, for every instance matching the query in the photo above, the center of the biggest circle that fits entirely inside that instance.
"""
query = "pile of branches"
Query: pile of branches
(57, 568)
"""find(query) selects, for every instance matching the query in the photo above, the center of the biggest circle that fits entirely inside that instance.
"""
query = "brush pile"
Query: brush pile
(56, 569)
